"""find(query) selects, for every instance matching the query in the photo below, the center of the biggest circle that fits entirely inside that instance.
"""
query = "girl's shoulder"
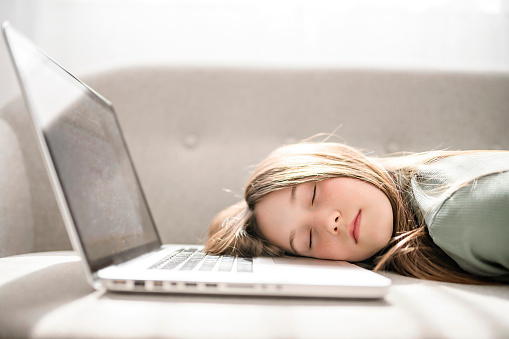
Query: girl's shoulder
(464, 200)
(433, 183)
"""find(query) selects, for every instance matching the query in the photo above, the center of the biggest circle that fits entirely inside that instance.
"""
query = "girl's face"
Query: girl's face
(337, 219)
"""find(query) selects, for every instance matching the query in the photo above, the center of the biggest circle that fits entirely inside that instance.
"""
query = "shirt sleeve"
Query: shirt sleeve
(472, 226)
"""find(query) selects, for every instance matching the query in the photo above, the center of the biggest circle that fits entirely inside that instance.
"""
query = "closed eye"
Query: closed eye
(310, 237)
(314, 195)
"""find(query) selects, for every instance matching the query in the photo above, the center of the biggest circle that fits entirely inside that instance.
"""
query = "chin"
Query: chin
(362, 256)
(373, 252)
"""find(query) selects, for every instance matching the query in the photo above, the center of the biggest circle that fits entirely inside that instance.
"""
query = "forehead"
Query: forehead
(274, 216)
(267, 208)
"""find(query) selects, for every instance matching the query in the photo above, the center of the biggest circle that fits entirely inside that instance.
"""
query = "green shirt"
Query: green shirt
(465, 203)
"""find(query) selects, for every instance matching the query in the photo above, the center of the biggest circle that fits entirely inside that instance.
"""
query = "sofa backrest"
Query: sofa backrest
(195, 134)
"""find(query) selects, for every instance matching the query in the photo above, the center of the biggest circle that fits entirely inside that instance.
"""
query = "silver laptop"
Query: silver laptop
(107, 216)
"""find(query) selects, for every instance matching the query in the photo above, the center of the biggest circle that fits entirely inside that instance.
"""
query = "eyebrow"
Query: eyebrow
(292, 195)
(292, 238)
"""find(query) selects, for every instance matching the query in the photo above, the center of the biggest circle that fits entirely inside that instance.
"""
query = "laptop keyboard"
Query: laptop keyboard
(189, 259)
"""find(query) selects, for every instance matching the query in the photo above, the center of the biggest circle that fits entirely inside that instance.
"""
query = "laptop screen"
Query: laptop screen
(94, 169)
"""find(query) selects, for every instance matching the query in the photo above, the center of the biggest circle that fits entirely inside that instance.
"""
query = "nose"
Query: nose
(331, 221)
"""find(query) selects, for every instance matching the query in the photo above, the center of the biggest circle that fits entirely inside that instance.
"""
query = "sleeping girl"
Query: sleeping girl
(440, 215)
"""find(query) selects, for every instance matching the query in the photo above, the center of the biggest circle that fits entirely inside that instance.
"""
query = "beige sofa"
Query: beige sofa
(194, 134)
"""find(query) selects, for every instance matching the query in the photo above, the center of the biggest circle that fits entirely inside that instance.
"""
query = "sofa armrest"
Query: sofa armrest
(29, 217)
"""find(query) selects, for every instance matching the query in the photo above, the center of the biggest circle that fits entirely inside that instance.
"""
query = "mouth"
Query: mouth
(354, 227)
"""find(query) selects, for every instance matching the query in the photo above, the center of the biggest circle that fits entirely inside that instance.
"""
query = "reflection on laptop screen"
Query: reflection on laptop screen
(92, 163)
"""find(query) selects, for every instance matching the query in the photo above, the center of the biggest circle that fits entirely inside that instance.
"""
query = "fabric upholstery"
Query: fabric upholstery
(45, 295)
(29, 217)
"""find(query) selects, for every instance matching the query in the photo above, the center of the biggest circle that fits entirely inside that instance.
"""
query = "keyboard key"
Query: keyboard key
(226, 264)
(191, 258)
(175, 259)
(244, 265)
(193, 262)
(209, 263)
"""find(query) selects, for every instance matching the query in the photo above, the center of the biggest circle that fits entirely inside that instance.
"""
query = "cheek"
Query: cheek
(388, 217)
(388, 230)
(382, 229)
(328, 249)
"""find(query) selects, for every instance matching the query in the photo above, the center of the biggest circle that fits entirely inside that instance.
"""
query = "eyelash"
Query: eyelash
(310, 237)
(311, 230)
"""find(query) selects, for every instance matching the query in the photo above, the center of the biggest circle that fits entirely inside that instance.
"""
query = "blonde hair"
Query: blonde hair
(411, 251)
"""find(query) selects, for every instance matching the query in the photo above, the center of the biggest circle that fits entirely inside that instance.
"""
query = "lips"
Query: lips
(354, 227)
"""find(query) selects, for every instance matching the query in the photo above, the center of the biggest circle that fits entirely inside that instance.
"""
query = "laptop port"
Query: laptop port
(139, 283)
(241, 286)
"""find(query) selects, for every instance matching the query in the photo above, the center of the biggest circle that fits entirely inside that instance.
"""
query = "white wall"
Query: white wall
(92, 35)
(20, 14)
